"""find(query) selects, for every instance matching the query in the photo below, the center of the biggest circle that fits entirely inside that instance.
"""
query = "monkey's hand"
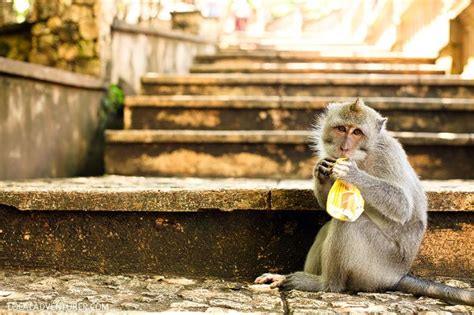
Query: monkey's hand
(346, 170)
(323, 169)
(275, 280)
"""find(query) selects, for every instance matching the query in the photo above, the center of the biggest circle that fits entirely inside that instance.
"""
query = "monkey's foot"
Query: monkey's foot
(275, 280)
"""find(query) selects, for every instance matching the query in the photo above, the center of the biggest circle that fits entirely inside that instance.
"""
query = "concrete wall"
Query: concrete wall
(137, 50)
(49, 122)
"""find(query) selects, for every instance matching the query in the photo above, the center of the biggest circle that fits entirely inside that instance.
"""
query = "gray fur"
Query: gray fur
(375, 252)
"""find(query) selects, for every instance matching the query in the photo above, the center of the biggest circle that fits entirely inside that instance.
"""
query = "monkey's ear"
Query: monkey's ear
(357, 105)
(381, 123)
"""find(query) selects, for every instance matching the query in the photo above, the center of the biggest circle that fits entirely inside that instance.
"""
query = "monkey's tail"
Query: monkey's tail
(416, 286)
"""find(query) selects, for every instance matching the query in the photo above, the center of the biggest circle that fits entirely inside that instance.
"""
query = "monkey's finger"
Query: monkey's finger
(262, 279)
(269, 278)
(340, 167)
(340, 171)
(327, 161)
(324, 170)
(327, 164)
(330, 160)
(276, 284)
(344, 163)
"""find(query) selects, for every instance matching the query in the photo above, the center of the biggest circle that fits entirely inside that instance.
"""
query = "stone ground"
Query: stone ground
(40, 290)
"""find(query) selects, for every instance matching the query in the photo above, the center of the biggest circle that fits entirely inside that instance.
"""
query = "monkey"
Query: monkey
(375, 252)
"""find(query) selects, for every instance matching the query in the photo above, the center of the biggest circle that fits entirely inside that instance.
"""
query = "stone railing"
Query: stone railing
(49, 122)
(137, 50)
(460, 49)
(382, 25)
(424, 25)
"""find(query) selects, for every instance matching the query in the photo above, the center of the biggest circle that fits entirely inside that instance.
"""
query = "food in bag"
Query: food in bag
(344, 202)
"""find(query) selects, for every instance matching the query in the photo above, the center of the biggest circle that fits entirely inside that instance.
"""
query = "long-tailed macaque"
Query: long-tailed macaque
(375, 252)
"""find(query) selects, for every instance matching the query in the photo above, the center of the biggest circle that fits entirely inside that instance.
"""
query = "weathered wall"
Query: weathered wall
(49, 118)
(65, 35)
(137, 50)
(233, 244)
(49, 122)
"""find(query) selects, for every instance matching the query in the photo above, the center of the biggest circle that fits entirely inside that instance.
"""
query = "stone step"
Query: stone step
(260, 56)
(79, 292)
(228, 228)
(265, 154)
(301, 67)
(289, 112)
(349, 85)
(288, 44)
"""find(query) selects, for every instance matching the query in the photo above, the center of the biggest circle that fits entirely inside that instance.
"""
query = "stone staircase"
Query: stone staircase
(249, 114)
(252, 125)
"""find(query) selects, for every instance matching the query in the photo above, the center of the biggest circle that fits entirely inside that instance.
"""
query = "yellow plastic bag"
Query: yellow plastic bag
(344, 202)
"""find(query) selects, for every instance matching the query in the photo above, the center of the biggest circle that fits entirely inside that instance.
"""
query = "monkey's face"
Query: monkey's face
(346, 140)
(349, 130)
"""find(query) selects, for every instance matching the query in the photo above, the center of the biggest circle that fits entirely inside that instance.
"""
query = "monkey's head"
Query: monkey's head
(348, 129)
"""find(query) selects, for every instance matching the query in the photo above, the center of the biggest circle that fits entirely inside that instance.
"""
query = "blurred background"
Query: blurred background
(68, 66)
(415, 27)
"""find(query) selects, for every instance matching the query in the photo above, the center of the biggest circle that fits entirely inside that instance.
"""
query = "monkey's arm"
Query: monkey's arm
(388, 198)
(322, 181)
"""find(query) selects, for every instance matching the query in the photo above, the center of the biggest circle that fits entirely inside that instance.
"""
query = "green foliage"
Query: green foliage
(112, 103)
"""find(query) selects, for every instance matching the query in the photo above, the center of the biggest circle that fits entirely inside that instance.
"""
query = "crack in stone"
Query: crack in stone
(286, 307)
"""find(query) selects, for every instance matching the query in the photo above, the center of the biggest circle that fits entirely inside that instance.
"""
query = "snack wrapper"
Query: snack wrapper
(344, 202)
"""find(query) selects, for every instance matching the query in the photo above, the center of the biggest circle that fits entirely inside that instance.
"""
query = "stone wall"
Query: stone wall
(65, 35)
(49, 122)
(137, 50)
(15, 41)
(7, 13)
(77, 35)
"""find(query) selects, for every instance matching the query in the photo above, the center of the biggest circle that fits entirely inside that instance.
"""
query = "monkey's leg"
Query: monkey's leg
(313, 259)
(302, 281)
(336, 252)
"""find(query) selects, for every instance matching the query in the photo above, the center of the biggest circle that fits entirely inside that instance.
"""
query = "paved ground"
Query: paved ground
(37, 290)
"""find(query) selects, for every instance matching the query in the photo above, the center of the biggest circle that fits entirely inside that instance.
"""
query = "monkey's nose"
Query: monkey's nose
(344, 152)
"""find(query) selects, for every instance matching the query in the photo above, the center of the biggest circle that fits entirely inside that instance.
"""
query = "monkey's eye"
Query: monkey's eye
(341, 128)
(358, 132)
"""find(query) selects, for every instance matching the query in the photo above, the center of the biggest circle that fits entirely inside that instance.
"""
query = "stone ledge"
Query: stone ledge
(48, 74)
(304, 79)
(207, 136)
(270, 136)
(301, 67)
(297, 102)
(315, 56)
(122, 193)
(171, 34)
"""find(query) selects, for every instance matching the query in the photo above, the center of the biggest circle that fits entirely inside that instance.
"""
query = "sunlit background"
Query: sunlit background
(372, 22)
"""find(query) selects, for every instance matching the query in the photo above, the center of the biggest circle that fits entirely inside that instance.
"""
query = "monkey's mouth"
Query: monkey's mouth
(344, 154)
